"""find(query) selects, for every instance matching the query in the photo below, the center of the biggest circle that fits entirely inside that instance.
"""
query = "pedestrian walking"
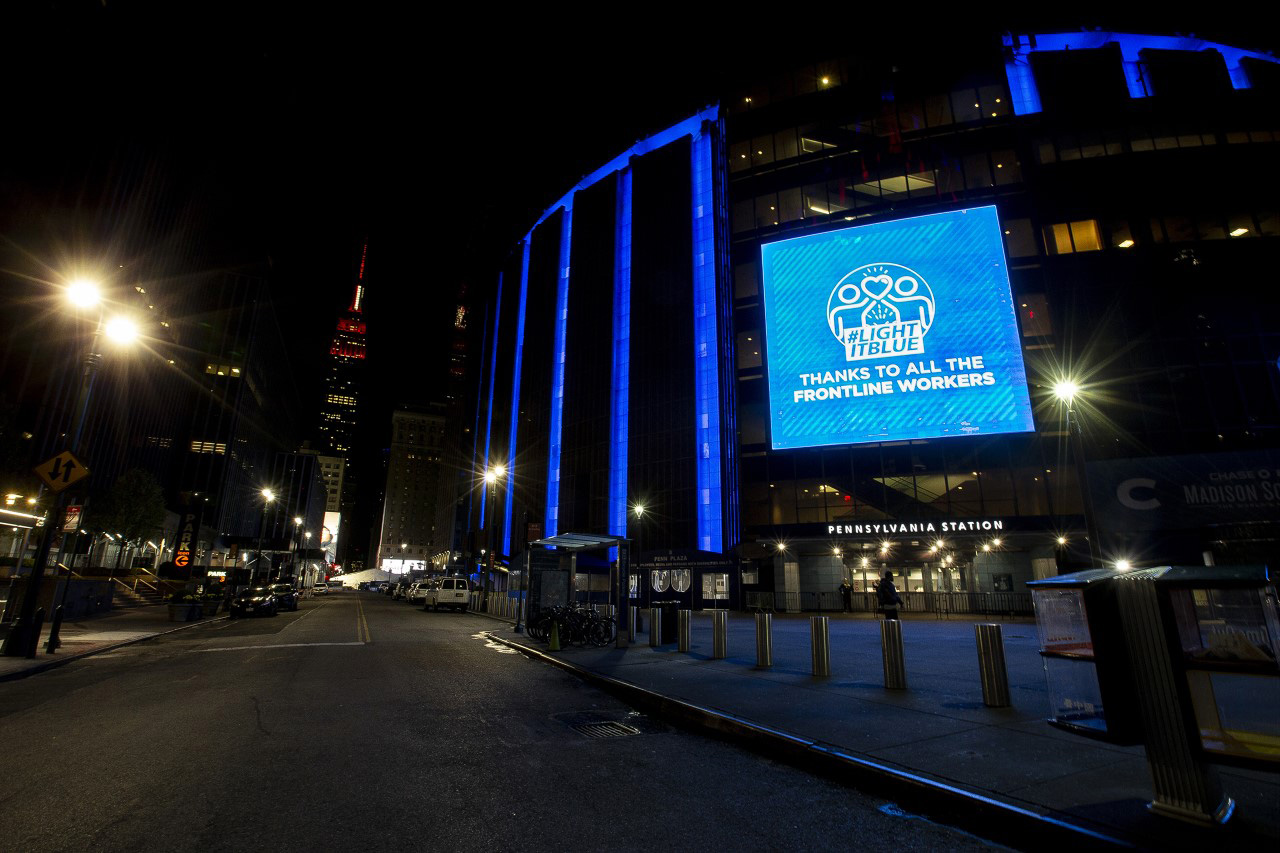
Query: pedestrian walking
(846, 595)
(887, 595)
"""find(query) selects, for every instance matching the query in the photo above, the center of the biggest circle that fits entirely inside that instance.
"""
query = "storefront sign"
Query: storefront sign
(1180, 492)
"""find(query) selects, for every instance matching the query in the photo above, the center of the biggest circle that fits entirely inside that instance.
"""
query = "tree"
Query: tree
(133, 506)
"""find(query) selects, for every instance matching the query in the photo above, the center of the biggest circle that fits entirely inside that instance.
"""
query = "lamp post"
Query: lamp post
(82, 293)
(491, 477)
(293, 558)
(267, 497)
(306, 539)
(1066, 391)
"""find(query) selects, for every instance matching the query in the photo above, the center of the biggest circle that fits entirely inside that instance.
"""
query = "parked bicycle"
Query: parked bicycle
(579, 625)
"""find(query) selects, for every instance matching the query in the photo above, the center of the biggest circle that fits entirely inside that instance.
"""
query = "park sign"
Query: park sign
(186, 538)
(893, 331)
(61, 471)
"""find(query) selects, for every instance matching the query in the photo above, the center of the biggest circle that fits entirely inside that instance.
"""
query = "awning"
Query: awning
(580, 541)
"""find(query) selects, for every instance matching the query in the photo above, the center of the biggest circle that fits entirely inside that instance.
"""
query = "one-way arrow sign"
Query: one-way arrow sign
(61, 471)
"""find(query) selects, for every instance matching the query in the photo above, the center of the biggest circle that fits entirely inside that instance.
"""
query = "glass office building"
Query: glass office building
(816, 331)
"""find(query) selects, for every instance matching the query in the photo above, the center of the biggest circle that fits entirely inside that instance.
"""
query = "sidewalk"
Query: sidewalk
(1003, 772)
(95, 634)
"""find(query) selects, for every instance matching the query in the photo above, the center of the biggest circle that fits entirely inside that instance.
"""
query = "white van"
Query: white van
(448, 592)
(321, 588)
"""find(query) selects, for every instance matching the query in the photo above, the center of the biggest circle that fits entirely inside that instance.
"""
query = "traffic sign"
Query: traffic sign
(61, 471)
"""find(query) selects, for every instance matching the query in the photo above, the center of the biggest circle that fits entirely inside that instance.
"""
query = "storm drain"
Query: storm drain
(607, 724)
(609, 729)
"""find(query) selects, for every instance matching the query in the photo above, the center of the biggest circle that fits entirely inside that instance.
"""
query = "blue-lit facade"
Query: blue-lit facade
(1121, 178)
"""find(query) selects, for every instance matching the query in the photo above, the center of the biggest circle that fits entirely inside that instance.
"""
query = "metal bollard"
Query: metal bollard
(991, 668)
(764, 640)
(895, 670)
(820, 641)
(33, 640)
(719, 634)
(633, 624)
(56, 625)
(655, 627)
(685, 639)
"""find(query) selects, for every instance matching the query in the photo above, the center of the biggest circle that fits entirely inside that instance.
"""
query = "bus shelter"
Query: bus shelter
(576, 543)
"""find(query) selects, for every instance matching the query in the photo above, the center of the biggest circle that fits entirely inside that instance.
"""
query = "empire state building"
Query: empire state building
(340, 408)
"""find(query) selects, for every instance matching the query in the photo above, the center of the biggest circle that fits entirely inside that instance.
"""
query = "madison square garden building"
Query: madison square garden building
(815, 331)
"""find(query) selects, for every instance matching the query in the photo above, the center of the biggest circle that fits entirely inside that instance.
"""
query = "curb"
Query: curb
(44, 666)
(977, 813)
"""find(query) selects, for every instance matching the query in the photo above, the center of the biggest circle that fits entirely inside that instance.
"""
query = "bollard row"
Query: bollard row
(991, 664)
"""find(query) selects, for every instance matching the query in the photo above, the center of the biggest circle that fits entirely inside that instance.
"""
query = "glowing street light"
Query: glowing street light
(1066, 391)
(84, 293)
(492, 476)
(267, 497)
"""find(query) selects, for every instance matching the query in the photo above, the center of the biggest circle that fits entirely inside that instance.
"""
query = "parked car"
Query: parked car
(286, 596)
(417, 591)
(321, 588)
(448, 592)
(254, 601)
(400, 589)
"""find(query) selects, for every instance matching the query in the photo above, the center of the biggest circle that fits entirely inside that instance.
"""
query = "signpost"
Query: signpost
(57, 473)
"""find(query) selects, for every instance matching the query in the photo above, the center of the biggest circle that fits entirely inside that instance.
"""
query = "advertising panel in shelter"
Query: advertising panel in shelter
(892, 331)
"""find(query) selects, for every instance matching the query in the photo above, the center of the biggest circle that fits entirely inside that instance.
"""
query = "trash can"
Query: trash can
(1085, 656)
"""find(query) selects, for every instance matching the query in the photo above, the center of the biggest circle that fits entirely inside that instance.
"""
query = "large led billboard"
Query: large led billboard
(893, 331)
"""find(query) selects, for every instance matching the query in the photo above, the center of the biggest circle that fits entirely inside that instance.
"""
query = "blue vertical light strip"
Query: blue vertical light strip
(621, 373)
(706, 345)
(557, 376)
(515, 398)
(488, 424)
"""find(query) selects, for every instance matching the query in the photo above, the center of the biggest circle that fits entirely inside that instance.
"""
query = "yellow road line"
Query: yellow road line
(362, 624)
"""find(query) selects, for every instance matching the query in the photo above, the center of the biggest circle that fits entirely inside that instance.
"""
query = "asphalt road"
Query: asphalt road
(362, 723)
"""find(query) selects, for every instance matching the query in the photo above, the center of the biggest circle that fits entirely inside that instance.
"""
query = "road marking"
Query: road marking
(275, 646)
(298, 619)
(497, 647)
(362, 625)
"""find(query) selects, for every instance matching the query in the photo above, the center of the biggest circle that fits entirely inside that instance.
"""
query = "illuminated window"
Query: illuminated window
(1064, 238)
(222, 370)
(208, 447)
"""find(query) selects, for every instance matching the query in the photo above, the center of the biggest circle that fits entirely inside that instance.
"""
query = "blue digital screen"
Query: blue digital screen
(893, 331)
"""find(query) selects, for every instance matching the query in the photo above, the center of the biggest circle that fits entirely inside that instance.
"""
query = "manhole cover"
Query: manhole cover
(602, 724)
(610, 729)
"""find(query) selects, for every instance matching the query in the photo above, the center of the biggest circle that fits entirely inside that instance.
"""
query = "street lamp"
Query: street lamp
(81, 293)
(491, 542)
(293, 559)
(1066, 390)
(267, 497)
(306, 539)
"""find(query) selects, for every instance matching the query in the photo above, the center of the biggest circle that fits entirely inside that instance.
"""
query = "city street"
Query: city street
(360, 722)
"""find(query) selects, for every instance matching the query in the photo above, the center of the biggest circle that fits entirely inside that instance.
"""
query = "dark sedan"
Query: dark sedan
(255, 601)
(286, 596)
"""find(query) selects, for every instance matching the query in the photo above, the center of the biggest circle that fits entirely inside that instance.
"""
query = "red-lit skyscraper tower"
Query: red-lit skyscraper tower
(340, 407)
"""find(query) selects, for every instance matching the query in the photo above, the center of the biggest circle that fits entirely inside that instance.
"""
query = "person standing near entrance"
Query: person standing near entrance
(846, 595)
(887, 595)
